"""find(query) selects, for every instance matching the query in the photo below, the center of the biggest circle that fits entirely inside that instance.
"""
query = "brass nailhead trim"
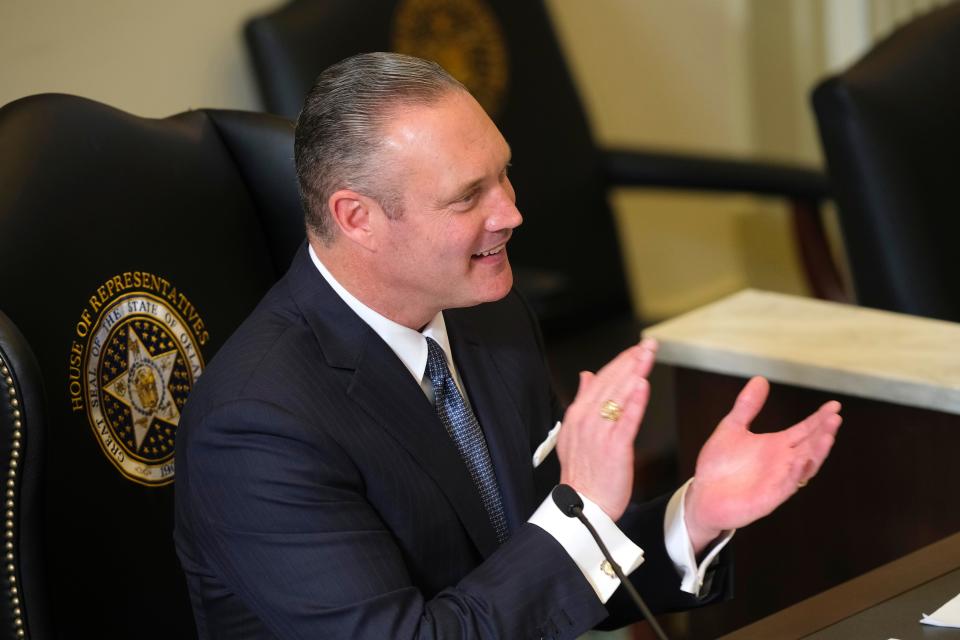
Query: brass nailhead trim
(9, 515)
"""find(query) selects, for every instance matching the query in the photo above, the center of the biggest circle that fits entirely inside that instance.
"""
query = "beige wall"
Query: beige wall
(152, 58)
(692, 75)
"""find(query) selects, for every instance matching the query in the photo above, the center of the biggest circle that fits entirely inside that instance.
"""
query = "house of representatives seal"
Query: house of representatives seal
(135, 357)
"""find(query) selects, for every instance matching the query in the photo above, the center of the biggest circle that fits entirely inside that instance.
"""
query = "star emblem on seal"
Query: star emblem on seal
(143, 387)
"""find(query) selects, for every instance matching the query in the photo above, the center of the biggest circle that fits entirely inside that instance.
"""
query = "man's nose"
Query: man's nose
(504, 215)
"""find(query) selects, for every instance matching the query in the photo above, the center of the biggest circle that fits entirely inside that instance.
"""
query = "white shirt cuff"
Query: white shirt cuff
(680, 549)
(577, 541)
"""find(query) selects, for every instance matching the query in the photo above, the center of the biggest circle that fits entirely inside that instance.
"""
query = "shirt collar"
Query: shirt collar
(408, 344)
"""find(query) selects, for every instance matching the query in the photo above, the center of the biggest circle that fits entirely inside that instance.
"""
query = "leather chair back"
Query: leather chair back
(130, 250)
(890, 128)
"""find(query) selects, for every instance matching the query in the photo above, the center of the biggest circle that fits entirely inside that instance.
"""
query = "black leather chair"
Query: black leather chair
(130, 249)
(566, 257)
(890, 128)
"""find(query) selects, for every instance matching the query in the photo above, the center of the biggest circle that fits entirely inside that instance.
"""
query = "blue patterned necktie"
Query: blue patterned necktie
(463, 427)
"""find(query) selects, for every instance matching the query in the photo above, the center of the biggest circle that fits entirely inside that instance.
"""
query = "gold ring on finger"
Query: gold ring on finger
(611, 411)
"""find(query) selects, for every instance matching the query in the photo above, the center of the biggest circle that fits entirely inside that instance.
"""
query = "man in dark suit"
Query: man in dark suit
(369, 455)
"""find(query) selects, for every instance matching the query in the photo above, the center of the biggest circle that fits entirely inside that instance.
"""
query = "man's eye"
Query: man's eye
(467, 197)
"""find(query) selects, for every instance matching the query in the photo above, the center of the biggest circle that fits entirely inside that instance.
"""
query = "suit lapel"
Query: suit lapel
(383, 388)
(496, 409)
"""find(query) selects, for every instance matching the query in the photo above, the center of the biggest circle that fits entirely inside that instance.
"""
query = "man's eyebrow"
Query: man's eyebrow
(476, 182)
(460, 193)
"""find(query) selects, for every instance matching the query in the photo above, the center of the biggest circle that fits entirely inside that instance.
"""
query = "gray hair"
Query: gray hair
(338, 132)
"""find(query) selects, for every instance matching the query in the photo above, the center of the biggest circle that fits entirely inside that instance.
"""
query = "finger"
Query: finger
(634, 408)
(748, 403)
(833, 406)
(625, 364)
(821, 446)
(648, 355)
(585, 378)
(617, 379)
(813, 464)
(645, 363)
(833, 425)
(622, 392)
(589, 387)
(812, 424)
(810, 455)
(804, 470)
(800, 432)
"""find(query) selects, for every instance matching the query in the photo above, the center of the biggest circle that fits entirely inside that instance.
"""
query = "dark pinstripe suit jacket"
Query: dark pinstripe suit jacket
(318, 495)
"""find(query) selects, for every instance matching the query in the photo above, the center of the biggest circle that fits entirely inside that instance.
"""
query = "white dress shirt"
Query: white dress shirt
(411, 347)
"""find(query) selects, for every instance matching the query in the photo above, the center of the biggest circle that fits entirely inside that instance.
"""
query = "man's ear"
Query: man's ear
(352, 214)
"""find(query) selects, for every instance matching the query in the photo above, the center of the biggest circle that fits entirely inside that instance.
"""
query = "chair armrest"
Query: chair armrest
(803, 187)
(628, 168)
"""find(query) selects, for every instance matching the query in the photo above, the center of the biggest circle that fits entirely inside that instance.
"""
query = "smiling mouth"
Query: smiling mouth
(491, 251)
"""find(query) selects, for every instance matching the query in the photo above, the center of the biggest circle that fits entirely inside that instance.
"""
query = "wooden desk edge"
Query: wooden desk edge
(861, 593)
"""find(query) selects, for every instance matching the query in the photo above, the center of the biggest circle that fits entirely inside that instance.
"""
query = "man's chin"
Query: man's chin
(492, 293)
(504, 285)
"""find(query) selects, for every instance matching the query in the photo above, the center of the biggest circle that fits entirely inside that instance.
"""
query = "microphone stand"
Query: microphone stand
(569, 502)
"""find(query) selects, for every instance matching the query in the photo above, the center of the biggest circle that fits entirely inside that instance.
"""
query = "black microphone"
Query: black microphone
(567, 499)
(569, 502)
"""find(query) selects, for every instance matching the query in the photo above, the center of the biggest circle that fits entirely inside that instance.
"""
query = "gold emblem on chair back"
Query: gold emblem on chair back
(464, 37)
(133, 360)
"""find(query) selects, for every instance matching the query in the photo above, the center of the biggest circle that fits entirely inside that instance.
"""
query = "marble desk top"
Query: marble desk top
(820, 345)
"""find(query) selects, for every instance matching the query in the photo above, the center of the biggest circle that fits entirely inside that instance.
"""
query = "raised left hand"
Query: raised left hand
(742, 476)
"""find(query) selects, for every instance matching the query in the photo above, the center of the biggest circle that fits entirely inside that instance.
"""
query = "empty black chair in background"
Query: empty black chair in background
(566, 257)
(890, 128)
(130, 249)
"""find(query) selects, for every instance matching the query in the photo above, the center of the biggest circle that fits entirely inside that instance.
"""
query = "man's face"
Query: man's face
(448, 248)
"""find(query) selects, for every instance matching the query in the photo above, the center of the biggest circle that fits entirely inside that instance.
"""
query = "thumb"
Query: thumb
(748, 404)
(585, 378)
